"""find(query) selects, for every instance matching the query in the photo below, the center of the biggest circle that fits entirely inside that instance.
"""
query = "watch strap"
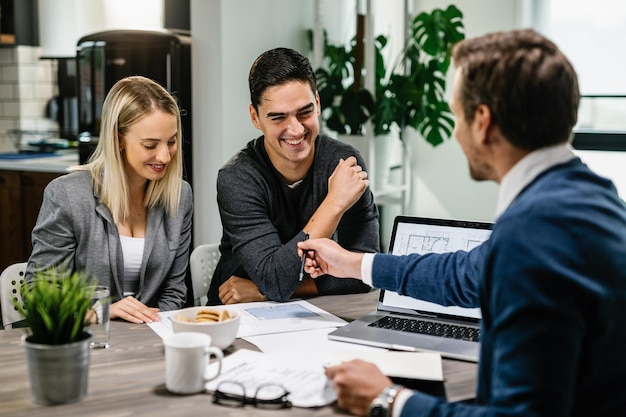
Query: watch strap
(382, 404)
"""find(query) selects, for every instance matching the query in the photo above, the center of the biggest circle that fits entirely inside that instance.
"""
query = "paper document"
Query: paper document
(318, 349)
(411, 365)
(307, 384)
(312, 344)
(266, 318)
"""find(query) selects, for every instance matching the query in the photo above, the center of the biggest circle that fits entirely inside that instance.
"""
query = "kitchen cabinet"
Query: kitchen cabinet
(21, 194)
(19, 23)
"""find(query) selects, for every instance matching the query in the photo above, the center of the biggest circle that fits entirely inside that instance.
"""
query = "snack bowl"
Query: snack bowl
(223, 333)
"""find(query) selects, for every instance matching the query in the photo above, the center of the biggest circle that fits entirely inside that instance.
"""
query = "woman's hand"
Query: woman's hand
(134, 311)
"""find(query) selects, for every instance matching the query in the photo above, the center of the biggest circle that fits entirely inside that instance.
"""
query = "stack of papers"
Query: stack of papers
(267, 318)
(315, 346)
(306, 383)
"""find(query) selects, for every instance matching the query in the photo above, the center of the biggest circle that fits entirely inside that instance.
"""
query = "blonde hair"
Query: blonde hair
(128, 101)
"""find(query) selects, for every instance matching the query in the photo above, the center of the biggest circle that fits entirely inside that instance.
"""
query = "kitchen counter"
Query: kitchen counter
(56, 164)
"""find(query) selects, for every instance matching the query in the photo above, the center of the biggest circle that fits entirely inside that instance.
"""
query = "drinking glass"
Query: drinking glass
(98, 324)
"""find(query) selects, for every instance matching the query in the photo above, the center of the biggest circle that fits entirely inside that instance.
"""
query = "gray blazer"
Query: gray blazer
(75, 228)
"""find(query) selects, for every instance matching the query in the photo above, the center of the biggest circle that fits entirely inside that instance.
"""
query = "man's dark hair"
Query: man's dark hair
(275, 67)
(528, 84)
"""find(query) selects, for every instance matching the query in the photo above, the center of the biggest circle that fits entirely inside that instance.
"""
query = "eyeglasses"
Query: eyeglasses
(233, 394)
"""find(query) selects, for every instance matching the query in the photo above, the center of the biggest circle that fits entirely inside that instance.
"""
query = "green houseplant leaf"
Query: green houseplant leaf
(55, 304)
(411, 93)
(346, 105)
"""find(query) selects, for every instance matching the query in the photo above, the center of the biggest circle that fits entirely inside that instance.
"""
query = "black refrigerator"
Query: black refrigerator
(103, 58)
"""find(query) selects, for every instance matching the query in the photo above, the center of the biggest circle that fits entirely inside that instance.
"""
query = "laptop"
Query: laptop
(404, 323)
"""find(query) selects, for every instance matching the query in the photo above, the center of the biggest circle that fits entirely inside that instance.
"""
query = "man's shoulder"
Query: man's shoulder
(333, 149)
(246, 166)
(330, 144)
(249, 156)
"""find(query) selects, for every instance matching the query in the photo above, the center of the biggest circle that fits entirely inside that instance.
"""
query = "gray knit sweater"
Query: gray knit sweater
(262, 220)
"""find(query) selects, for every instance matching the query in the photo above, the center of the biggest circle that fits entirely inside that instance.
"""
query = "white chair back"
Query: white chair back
(202, 263)
(11, 280)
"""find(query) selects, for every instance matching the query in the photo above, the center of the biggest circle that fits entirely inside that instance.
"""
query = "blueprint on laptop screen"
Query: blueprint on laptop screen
(428, 238)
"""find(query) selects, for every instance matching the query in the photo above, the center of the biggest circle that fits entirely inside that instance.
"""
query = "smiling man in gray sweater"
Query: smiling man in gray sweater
(286, 184)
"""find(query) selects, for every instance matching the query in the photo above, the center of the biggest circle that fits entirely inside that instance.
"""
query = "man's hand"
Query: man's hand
(357, 384)
(346, 184)
(239, 290)
(134, 311)
(325, 256)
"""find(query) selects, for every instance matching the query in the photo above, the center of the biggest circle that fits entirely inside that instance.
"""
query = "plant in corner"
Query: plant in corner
(410, 93)
(55, 306)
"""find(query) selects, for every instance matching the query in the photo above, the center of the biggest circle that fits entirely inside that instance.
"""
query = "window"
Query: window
(591, 34)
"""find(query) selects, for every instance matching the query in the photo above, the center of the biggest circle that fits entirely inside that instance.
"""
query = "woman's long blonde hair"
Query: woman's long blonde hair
(128, 101)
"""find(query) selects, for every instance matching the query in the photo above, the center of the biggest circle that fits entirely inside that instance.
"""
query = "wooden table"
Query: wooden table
(127, 379)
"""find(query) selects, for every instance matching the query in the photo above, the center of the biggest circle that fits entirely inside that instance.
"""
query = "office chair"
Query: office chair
(11, 280)
(202, 263)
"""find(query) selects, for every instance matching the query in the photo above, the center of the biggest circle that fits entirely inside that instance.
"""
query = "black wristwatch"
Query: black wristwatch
(381, 406)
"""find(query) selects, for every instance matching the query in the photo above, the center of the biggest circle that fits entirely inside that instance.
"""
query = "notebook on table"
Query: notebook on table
(404, 323)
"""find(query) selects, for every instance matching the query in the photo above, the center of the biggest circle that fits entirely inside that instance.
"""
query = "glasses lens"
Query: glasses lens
(272, 396)
(231, 394)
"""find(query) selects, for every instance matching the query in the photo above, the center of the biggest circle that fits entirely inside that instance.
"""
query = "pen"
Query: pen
(304, 253)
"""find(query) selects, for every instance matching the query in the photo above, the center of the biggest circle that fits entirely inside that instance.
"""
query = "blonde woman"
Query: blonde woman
(125, 216)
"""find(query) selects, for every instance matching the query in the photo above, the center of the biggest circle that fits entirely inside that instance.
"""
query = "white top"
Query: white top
(132, 250)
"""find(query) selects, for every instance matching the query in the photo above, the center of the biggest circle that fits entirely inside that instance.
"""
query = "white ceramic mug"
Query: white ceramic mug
(187, 357)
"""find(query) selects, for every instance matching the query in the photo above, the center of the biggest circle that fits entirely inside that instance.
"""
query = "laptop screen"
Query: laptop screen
(425, 235)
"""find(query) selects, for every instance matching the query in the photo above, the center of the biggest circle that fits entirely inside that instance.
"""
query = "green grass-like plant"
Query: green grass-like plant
(55, 303)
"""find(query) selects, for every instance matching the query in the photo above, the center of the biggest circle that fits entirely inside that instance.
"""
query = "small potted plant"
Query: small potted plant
(55, 304)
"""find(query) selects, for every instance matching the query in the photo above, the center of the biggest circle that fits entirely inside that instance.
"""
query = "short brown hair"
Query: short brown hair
(278, 66)
(528, 84)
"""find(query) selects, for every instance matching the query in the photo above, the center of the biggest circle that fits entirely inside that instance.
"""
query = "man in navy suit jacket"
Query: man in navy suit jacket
(550, 281)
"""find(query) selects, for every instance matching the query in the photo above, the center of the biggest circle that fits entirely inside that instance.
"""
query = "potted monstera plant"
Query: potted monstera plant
(55, 304)
(408, 93)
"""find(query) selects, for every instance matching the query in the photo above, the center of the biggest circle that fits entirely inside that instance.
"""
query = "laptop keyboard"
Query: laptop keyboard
(428, 327)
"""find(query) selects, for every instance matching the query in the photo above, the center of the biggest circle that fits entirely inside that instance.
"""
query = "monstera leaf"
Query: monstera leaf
(411, 94)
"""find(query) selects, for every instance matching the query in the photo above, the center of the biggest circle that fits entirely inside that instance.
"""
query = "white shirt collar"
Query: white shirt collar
(527, 169)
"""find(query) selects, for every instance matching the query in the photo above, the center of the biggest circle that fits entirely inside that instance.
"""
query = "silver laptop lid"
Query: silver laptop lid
(427, 235)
